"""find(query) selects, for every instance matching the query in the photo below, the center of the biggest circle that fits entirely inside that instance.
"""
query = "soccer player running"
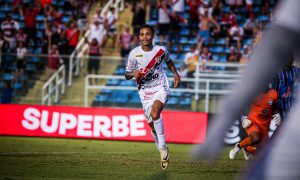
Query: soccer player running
(145, 64)
(257, 123)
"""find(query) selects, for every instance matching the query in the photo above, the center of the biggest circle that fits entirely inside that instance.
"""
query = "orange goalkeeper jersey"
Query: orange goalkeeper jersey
(261, 110)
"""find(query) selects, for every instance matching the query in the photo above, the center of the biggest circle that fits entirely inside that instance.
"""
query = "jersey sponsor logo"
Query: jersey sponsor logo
(154, 62)
(139, 55)
(151, 78)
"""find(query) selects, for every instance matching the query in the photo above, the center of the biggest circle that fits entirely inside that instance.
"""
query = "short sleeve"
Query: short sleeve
(167, 55)
(131, 63)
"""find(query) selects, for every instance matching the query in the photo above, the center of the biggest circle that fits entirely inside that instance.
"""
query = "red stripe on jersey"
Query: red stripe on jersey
(150, 65)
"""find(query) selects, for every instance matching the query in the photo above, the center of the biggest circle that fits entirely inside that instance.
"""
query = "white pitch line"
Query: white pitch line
(59, 153)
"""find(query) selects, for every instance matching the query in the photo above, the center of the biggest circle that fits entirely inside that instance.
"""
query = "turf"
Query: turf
(51, 158)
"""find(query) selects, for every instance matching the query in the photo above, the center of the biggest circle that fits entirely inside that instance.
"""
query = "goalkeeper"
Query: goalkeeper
(262, 111)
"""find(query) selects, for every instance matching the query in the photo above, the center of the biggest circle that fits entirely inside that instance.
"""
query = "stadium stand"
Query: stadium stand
(39, 26)
(52, 26)
(226, 15)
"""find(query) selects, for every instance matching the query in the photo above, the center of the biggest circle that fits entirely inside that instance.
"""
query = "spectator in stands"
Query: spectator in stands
(16, 4)
(205, 8)
(134, 43)
(225, 25)
(258, 34)
(45, 3)
(204, 56)
(233, 56)
(126, 38)
(246, 53)
(21, 62)
(2, 46)
(63, 49)
(111, 20)
(250, 26)
(235, 4)
(30, 22)
(175, 20)
(204, 27)
(178, 6)
(94, 62)
(99, 18)
(53, 61)
(72, 34)
(97, 31)
(249, 6)
(9, 28)
(216, 9)
(49, 33)
(265, 9)
(82, 19)
(163, 20)
(21, 36)
(7, 92)
(190, 60)
(235, 35)
(6, 60)
(194, 18)
(231, 18)
(139, 14)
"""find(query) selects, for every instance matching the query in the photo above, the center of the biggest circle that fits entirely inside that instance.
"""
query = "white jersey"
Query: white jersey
(153, 79)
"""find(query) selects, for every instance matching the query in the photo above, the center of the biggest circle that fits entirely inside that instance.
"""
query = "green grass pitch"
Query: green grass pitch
(51, 158)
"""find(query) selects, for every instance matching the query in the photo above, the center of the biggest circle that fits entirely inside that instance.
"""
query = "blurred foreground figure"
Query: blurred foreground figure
(280, 159)
(263, 109)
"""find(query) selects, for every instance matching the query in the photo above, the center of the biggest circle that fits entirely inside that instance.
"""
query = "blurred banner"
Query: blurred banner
(99, 123)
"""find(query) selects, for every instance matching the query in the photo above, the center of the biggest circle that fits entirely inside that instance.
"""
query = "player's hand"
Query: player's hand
(245, 121)
(277, 119)
(136, 74)
(176, 80)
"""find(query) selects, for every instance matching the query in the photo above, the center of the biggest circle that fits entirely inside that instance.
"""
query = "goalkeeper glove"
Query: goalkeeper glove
(277, 119)
(245, 121)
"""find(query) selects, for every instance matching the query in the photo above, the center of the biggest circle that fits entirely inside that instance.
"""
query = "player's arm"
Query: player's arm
(172, 68)
(130, 70)
(130, 75)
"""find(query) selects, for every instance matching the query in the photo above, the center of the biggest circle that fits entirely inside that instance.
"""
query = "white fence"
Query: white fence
(202, 82)
(55, 85)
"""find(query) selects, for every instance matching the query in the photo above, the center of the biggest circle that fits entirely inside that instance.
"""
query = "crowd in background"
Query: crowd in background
(238, 24)
(55, 27)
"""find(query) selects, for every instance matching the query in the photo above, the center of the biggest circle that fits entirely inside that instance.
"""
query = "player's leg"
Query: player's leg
(155, 114)
(154, 135)
(253, 138)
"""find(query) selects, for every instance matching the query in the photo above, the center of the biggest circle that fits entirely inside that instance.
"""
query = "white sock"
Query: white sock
(154, 135)
(159, 128)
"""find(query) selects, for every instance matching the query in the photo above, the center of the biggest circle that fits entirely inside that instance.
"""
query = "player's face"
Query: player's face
(146, 36)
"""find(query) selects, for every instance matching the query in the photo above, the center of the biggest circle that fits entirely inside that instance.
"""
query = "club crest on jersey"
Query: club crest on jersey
(270, 102)
(139, 55)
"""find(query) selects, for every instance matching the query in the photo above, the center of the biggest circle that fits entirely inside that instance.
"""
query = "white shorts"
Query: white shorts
(162, 96)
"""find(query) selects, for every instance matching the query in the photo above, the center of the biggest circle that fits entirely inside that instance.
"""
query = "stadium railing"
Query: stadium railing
(203, 82)
(55, 85)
